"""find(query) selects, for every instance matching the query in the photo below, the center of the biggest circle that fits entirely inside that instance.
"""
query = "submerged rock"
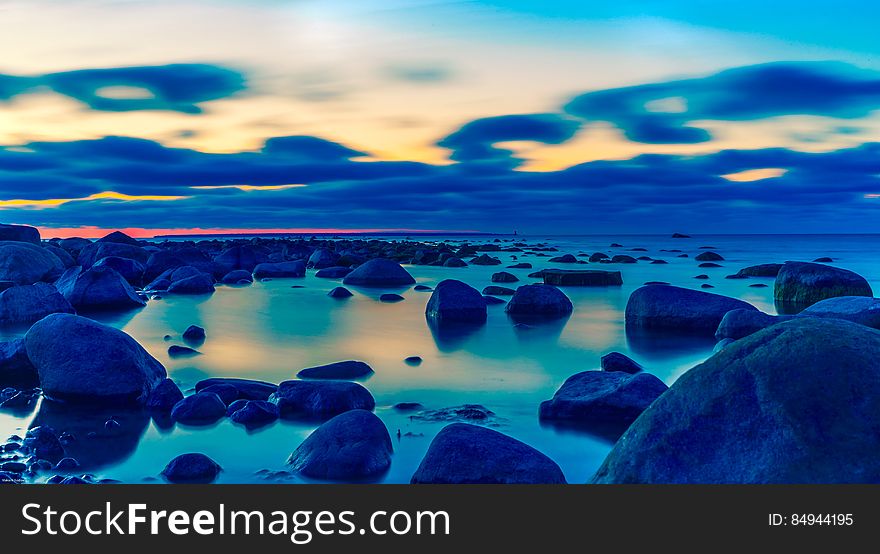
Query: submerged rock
(615, 361)
(200, 408)
(379, 272)
(81, 360)
(455, 301)
(679, 309)
(581, 278)
(177, 351)
(320, 399)
(802, 284)
(98, 288)
(858, 309)
(485, 259)
(540, 301)
(466, 454)
(709, 257)
(465, 412)
(454, 262)
(191, 468)
(353, 445)
(350, 369)
(798, 402)
(25, 304)
(504, 277)
(495, 290)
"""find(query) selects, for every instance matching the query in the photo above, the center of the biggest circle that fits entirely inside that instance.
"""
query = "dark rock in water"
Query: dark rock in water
(465, 454)
(350, 369)
(322, 258)
(736, 276)
(19, 233)
(701, 276)
(616, 245)
(465, 412)
(353, 445)
(660, 262)
(16, 368)
(422, 288)
(656, 283)
(162, 261)
(709, 264)
(407, 406)
(333, 272)
(564, 259)
(164, 397)
(200, 408)
(13, 467)
(158, 285)
(236, 406)
(615, 361)
(706, 286)
(740, 323)
(599, 256)
(42, 443)
(177, 351)
(498, 291)
(98, 288)
(255, 413)
(802, 284)
(96, 251)
(18, 401)
(540, 301)
(194, 334)
(340, 292)
(623, 259)
(66, 464)
(485, 259)
(241, 257)
(413, 360)
(504, 277)
(491, 300)
(131, 270)
(280, 270)
(602, 397)
(682, 256)
(798, 402)
(680, 236)
(235, 277)
(26, 304)
(858, 309)
(320, 399)
(227, 393)
(709, 257)
(825, 260)
(247, 389)
(24, 263)
(760, 270)
(118, 237)
(379, 272)
(191, 468)
(195, 284)
(537, 274)
(679, 309)
(523, 265)
(71, 355)
(455, 301)
(582, 278)
(454, 262)
(758, 286)
(391, 297)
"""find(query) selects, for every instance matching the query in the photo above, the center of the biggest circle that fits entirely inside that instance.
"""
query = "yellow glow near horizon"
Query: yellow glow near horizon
(108, 195)
(751, 175)
(248, 188)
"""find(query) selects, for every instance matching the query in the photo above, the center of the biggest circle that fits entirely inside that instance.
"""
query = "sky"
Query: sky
(563, 117)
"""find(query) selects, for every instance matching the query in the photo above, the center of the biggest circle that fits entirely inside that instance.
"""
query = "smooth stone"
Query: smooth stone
(407, 406)
(280, 270)
(199, 408)
(391, 298)
(191, 468)
(465, 412)
(118, 237)
(379, 272)
(413, 360)
(164, 260)
(454, 262)
(237, 277)
(26, 304)
(194, 334)
(340, 292)
(42, 443)
(823, 259)
(97, 288)
(485, 259)
(177, 351)
(320, 399)
(709, 257)
(15, 367)
(255, 413)
(131, 270)
(504, 277)
(564, 259)
(598, 256)
(248, 389)
(802, 284)
(740, 323)
(333, 272)
(350, 369)
(495, 290)
(19, 233)
(540, 301)
(455, 301)
(523, 265)
(23, 263)
(322, 258)
(195, 284)
(623, 259)
(243, 257)
(227, 393)
(760, 270)
(858, 309)
(491, 300)
(422, 288)
(164, 397)
(709, 264)
(679, 309)
(581, 278)
(615, 361)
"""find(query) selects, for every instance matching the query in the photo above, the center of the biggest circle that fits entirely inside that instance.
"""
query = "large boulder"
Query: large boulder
(280, 270)
(539, 301)
(353, 445)
(81, 360)
(191, 468)
(243, 257)
(95, 251)
(119, 237)
(462, 453)
(802, 284)
(237, 276)
(199, 409)
(602, 397)
(665, 307)
(19, 233)
(322, 258)
(379, 272)
(27, 304)
(320, 399)
(740, 323)
(858, 309)
(798, 402)
(98, 288)
(164, 397)
(131, 270)
(16, 368)
(61, 254)
(349, 369)
(23, 263)
(162, 261)
(202, 283)
(454, 301)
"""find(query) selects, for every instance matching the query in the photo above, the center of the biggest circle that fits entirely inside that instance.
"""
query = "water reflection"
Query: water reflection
(452, 336)
(656, 345)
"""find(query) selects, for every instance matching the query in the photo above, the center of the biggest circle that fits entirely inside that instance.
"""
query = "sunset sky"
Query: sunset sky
(546, 117)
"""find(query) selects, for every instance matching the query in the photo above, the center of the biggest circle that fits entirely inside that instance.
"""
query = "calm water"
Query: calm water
(269, 331)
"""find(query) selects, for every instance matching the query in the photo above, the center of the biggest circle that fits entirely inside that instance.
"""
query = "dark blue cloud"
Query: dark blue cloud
(422, 73)
(309, 148)
(175, 87)
(745, 93)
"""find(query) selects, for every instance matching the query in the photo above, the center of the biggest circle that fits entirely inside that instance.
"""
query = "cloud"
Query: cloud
(175, 87)
(746, 93)
(419, 73)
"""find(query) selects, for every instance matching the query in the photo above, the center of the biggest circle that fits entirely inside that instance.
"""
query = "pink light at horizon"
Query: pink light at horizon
(92, 232)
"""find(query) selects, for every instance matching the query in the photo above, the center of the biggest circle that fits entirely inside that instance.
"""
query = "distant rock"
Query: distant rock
(119, 237)
(241, 258)
(379, 272)
(333, 272)
(680, 236)
(709, 257)
(802, 284)
(322, 258)
(162, 261)
(236, 276)
(340, 292)
(564, 259)
(665, 307)
(201, 408)
(23, 263)
(422, 288)
(504, 277)
(709, 264)
(761, 270)
(98, 288)
(495, 290)
(407, 406)
(19, 233)
(248, 389)
(191, 468)
(599, 256)
(740, 323)
(468, 454)
(413, 360)
(350, 369)
(92, 253)
(26, 304)
(522, 265)
(177, 351)
(858, 309)
(582, 278)
(71, 353)
(615, 361)
(63, 255)
(539, 300)
(455, 301)
(164, 397)
(390, 298)
(320, 399)
(353, 445)
(824, 259)
(623, 259)
(472, 413)
(454, 262)
(485, 259)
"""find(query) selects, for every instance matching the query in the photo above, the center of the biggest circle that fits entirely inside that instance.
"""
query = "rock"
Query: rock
(177, 351)
(195, 284)
(131, 270)
(465, 412)
(504, 277)
(23, 263)
(160, 262)
(350, 369)
(539, 300)
(523, 265)
(802, 284)
(96, 251)
(407, 406)
(227, 393)
(761, 270)
(701, 276)
(709, 264)
(81, 360)
(255, 413)
(236, 276)
(422, 288)
(498, 291)
(42, 443)
(391, 297)
(491, 300)
(455, 262)
(599, 256)
(241, 258)
(333, 272)
(320, 399)
(623, 259)
(602, 397)
(19, 233)
(340, 292)
(164, 396)
(455, 301)
(678, 309)
(191, 468)
(581, 278)
(706, 286)
(379, 272)
(25, 304)
(353, 445)
(823, 259)
(66, 464)
(194, 334)
(62, 254)
(322, 258)
(564, 259)
(740, 323)
(98, 288)
(680, 236)
(858, 309)
(247, 389)
(413, 360)
(661, 262)
(797, 402)
(118, 237)
(280, 270)
(615, 361)
(16, 368)
(709, 257)
(466, 454)
(200, 408)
